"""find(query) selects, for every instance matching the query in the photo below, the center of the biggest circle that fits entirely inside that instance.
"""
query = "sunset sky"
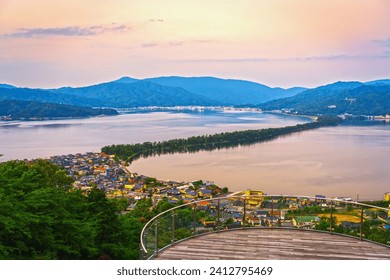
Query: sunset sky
(47, 43)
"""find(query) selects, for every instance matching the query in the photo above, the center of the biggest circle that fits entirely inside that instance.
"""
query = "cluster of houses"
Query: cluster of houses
(255, 209)
(93, 169)
(269, 211)
(102, 171)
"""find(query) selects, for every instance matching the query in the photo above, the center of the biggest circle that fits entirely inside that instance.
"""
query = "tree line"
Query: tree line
(43, 217)
(131, 152)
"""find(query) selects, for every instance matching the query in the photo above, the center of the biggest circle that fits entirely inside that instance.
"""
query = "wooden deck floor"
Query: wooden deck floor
(274, 244)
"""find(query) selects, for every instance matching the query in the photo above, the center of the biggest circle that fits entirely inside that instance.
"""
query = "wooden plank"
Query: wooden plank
(274, 244)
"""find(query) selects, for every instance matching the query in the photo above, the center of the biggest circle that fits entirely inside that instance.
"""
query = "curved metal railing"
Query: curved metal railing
(363, 221)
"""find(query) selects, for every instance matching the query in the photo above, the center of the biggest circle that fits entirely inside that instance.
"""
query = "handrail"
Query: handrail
(244, 196)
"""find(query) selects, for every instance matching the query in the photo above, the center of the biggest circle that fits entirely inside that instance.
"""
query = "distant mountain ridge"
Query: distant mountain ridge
(356, 98)
(134, 93)
(378, 82)
(232, 92)
(6, 86)
(160, 91)
(18, 109)
(50, 96)
(204, 91)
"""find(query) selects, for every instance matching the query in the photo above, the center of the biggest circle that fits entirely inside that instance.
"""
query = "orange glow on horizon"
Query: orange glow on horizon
(79, 42)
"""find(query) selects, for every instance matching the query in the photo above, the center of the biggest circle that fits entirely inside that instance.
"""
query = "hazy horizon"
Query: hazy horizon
(278, 43)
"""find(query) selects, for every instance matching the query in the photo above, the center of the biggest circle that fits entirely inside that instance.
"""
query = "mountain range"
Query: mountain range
(18, 109)
(228, 91)
(369, 98)
(6, 86)
(135, 94)
(356, 98)
(161, 91)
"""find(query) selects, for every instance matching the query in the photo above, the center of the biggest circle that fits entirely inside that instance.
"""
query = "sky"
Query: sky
(284, 43)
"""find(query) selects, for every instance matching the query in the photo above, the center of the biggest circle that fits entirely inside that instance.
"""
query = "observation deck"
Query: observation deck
(280, 227)
(273, 244)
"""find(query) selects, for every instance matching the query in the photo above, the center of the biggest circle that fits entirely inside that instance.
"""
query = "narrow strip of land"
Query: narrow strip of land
(131, 152)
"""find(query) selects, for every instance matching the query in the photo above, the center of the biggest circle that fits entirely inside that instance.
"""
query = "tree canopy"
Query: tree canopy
(43, 217)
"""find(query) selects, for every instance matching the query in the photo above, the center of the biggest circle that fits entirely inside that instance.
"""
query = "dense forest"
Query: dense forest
(43, 217)
(130, 152)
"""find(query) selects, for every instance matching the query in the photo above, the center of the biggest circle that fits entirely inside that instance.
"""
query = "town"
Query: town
(104, 172)
(252, 208)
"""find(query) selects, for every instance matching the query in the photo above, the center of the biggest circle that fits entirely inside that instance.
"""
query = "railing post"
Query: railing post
(243, 217)
(194, 219)
(331, 216)
(302, 225)
(141, 252)
(272, 213)
(173, 227)
(361, 223)
(156, 237)
(218, 215)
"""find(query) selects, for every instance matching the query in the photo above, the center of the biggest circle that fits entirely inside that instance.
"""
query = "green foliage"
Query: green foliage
(121, 204)
(182, 233)
(42, 217)
(18, 109)
(312, 209)
(163, 205)
(150, 180)
(229, 221)
(197, 183)
(381, 203)
(324, 223)
(372, 229)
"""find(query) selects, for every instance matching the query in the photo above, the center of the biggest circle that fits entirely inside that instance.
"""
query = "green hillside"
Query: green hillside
(17, 109)
(339, 98)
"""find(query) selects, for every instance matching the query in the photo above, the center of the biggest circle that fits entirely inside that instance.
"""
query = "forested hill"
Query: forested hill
(43, 217)
(132, 152)
(128, 92)
(227, 91)
(17, 109)
(6, 86)
(125, 93)
(354, 98)
(161, 91)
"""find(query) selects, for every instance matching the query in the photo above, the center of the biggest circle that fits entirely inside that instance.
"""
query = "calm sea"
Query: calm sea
(347, 160)
(31, 139)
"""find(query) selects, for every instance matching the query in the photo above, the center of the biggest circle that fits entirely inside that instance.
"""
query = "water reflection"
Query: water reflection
(31, 139)
(335, 161)
(344, 161)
